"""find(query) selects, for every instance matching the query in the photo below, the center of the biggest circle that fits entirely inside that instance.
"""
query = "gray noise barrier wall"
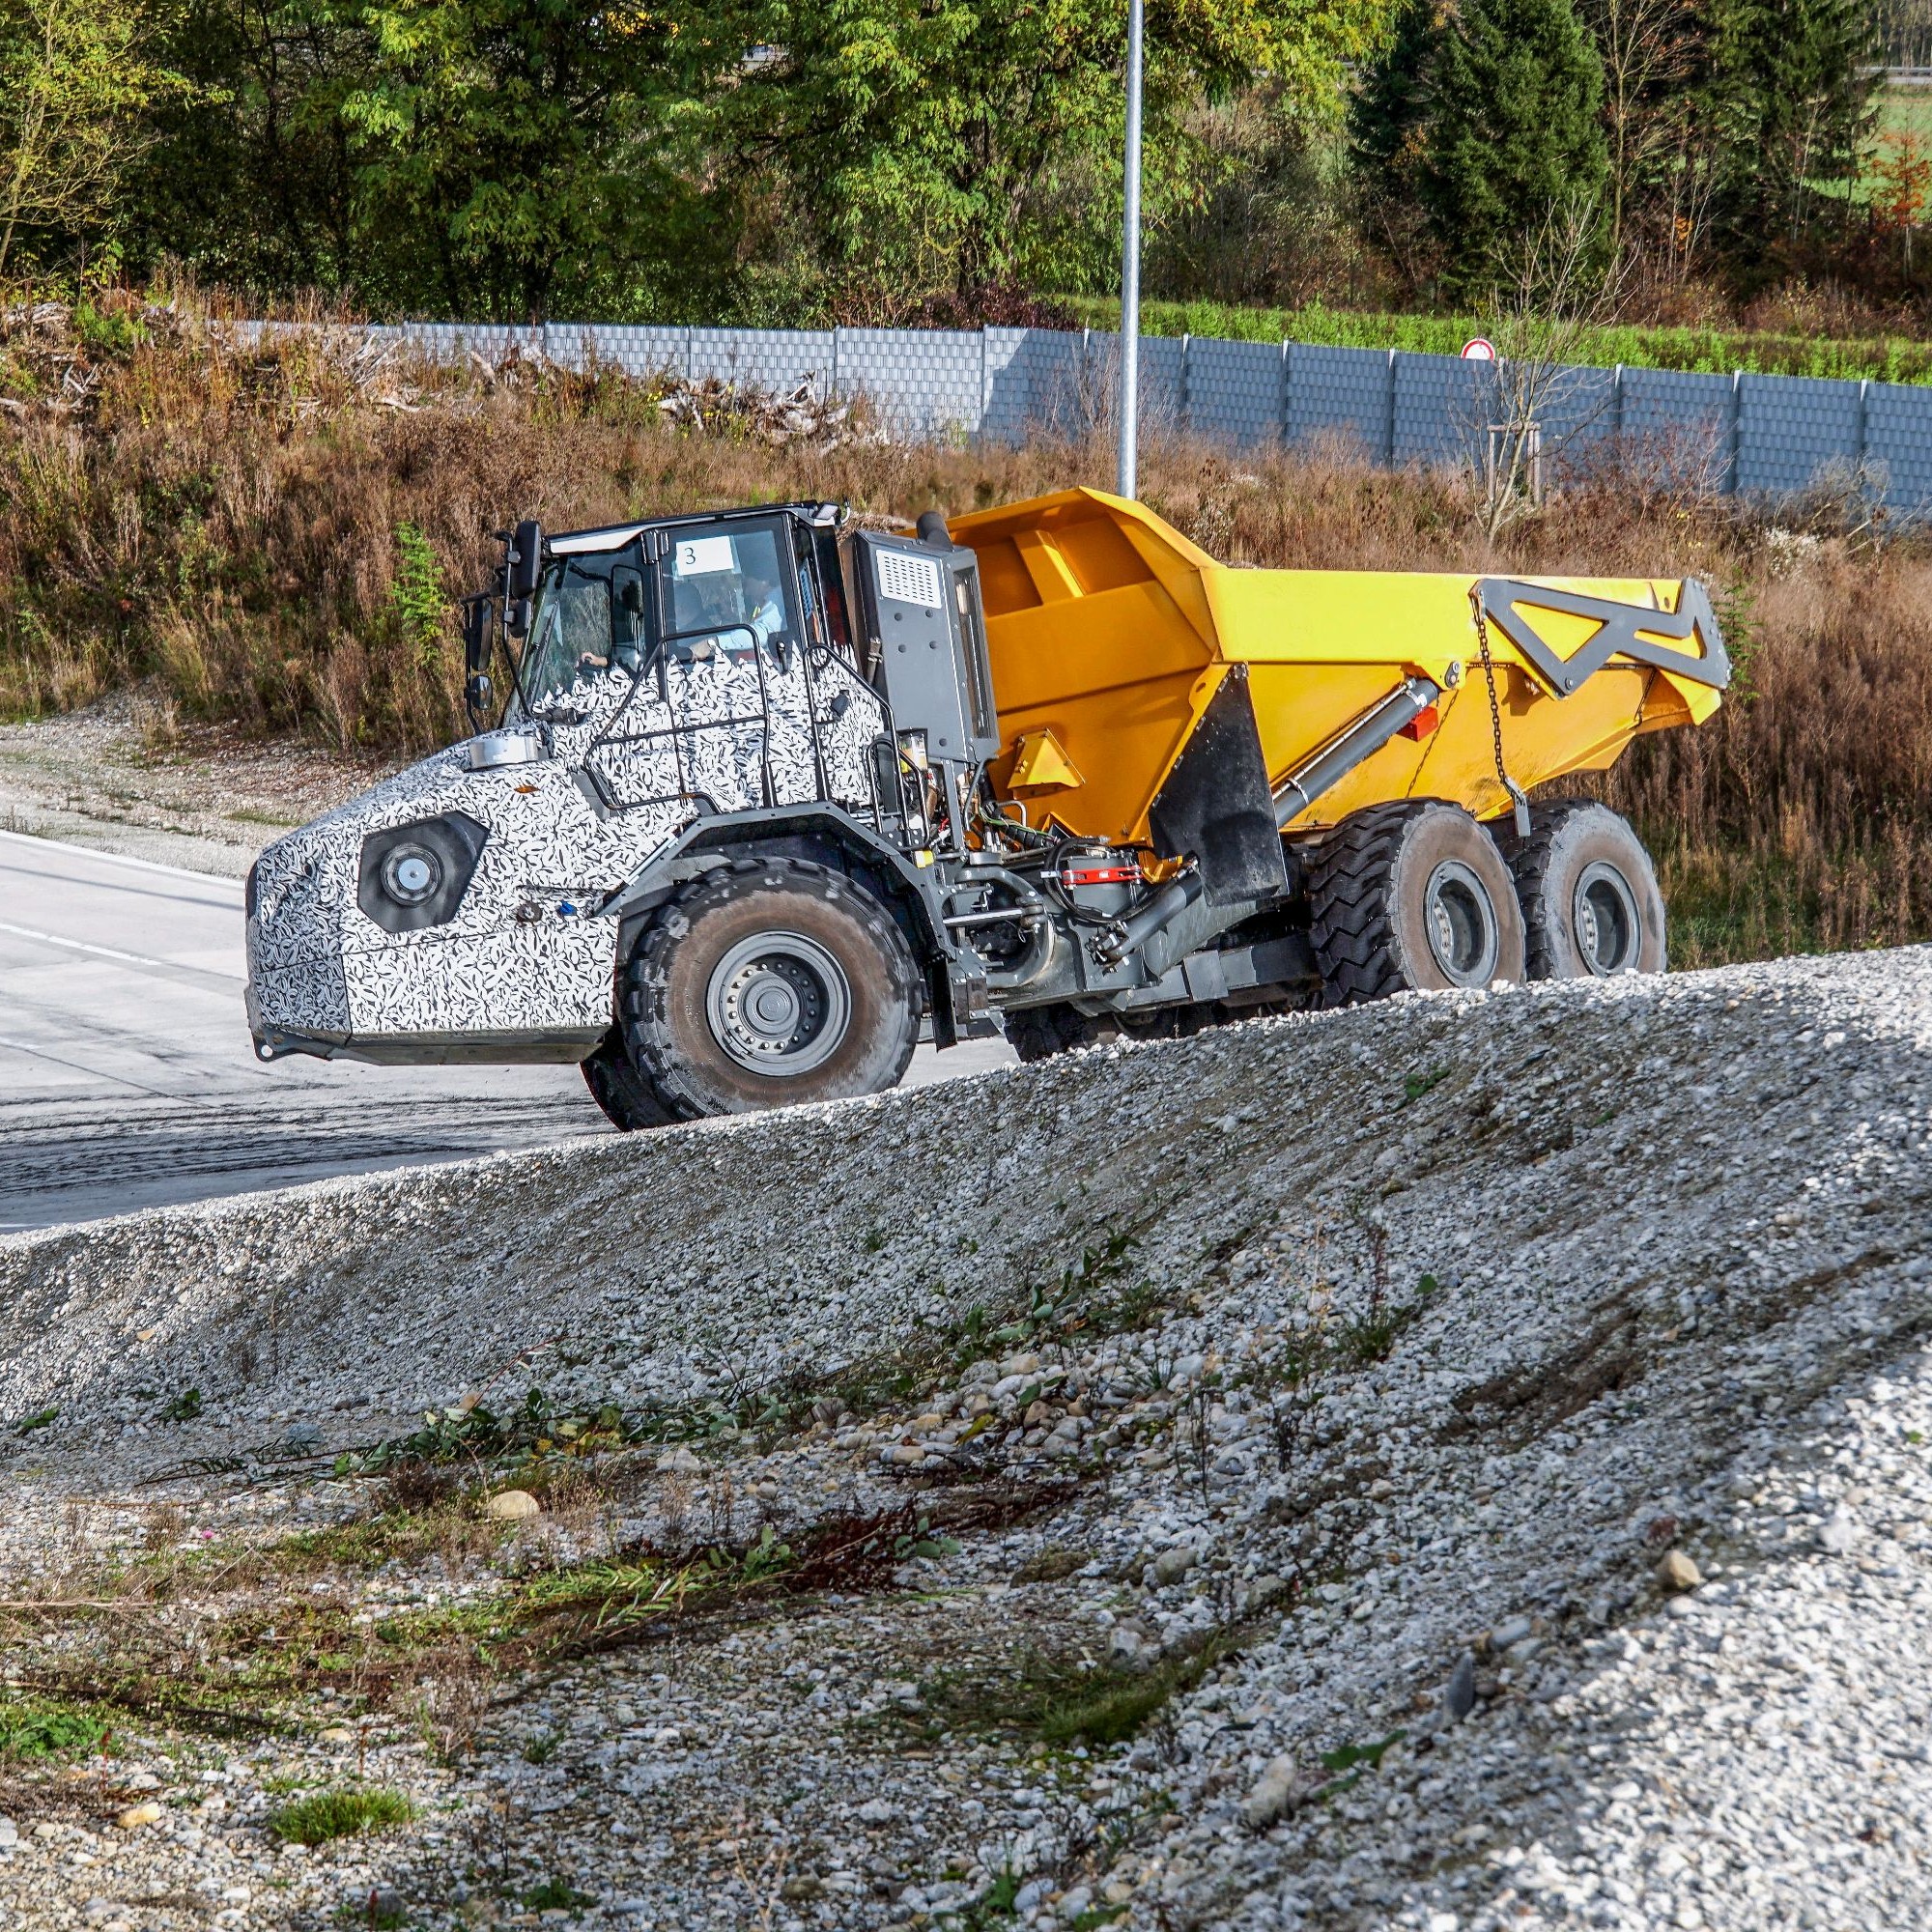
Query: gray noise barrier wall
(1771, 437)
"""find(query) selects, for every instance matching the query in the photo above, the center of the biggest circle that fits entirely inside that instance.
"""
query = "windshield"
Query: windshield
(589, 614)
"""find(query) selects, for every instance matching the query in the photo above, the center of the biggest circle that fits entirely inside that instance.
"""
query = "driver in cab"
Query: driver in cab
(764, 618)
(717, 586)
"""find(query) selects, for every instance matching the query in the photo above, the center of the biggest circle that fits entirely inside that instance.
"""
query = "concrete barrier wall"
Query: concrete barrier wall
(1771, 437)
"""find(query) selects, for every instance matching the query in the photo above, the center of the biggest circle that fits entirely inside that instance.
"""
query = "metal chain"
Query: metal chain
(1517, 796)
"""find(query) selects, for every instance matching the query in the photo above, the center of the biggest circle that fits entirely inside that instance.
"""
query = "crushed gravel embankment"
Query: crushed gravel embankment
(1524, 1396)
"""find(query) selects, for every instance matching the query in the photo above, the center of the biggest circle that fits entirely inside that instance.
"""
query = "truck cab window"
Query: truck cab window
(588, 615)
(825, 551)
(726, 595)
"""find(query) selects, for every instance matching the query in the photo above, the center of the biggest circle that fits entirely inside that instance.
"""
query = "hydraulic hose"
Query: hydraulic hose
(1161, 910)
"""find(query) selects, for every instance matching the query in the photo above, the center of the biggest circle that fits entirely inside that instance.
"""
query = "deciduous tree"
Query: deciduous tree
(78, 78)
(969, 142)
(520, 149)
(1649, 51)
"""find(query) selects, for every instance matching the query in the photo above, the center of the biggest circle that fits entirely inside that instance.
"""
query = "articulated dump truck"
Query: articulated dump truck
(773, 796)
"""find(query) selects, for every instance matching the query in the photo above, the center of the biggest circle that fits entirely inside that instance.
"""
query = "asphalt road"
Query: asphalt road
(127, 1080)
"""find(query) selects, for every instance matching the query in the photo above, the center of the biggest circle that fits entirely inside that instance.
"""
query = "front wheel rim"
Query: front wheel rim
(1609, 928)
(1460, 921)
(779, 1005)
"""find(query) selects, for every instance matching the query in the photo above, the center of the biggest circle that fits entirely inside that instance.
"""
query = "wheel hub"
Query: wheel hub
(777, 1004)
(1461, 924)
(1608, 928)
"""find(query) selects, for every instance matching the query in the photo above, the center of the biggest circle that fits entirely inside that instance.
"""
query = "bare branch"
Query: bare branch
(1550, 290)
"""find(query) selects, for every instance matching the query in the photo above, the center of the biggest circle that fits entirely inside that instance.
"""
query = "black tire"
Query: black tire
(1590, 902)
(1411, 896)
(768, 983)
(615, 1084)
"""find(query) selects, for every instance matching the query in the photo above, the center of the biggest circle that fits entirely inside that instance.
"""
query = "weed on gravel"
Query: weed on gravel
(529, 1441)
(262, 1651)
(33, 1728)
(326, 1815)
(1064, 1698)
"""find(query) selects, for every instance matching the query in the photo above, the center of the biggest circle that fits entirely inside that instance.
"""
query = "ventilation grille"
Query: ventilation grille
(909, 580)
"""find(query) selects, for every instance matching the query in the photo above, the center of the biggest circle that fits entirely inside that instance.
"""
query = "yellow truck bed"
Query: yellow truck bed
(1109, 633)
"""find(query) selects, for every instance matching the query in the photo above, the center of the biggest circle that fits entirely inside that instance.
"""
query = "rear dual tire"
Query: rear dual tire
(1591, 907)
(1419, 895)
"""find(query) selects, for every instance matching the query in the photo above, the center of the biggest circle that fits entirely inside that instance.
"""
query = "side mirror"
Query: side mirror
(477, 696)
(526, 563)
(477, 635)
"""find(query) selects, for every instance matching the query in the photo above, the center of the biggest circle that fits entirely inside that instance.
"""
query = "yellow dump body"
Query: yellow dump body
(1109, 634)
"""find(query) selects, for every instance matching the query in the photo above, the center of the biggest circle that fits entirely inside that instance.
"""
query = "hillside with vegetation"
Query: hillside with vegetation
(272, 535)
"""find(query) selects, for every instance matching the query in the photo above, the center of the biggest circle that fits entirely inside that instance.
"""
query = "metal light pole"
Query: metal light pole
(1130, 267)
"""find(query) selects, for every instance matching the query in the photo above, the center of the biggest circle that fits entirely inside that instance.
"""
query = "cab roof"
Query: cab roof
(615, 536)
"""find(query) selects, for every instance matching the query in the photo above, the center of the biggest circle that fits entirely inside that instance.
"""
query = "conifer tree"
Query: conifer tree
(1790, 99)
(1511, 136)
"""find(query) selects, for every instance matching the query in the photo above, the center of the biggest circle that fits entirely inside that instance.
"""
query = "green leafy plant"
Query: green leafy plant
(1419, 1084)
(554, 1895)
(1062, 1700)
(1346, 1757)
(31, 1728)
(326, 1815)
(922, 1541)
(1364, 1342)
(1736, 608)
(997, 1900)
(418, 593)
(118, 335)
(184, 1407)
(1350, 1761)
(42, 1418)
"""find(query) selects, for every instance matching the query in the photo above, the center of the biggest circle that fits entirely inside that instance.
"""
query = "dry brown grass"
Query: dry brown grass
(223, 522)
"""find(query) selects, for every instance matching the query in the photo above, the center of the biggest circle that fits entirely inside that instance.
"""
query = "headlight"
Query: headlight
(413, 876)
(410, 874)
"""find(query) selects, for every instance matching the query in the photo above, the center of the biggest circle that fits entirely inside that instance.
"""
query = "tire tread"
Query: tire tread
(657, 1069)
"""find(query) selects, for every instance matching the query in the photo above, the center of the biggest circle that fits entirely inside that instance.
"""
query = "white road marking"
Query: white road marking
(122, 859)
(108, 953)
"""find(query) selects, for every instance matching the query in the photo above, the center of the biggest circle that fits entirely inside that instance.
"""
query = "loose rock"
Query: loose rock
(1677, 1572)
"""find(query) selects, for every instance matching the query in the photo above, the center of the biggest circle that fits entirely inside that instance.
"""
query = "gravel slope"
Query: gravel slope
(1453, 1321)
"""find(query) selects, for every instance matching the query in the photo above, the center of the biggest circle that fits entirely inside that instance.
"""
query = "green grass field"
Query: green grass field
(1906, 110)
